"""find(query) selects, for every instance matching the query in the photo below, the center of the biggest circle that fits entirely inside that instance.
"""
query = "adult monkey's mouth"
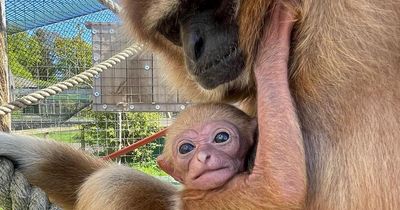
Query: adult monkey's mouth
(228, 56)
(220, 71)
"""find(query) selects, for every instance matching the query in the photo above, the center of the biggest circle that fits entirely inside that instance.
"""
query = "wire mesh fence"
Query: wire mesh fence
(50, 41)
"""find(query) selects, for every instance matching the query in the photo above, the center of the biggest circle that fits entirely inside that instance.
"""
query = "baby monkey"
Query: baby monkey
(209, 144)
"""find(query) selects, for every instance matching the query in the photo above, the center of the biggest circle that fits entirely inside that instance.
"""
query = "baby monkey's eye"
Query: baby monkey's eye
(186, 148)
(221, 137)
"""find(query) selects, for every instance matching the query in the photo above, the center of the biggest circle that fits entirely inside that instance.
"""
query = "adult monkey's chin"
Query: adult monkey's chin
(220, 72)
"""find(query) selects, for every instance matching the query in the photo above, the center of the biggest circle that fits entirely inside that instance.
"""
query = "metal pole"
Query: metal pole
(120, 133)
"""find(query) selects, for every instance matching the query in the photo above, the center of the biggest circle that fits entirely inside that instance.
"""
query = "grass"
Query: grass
(63, 136)
(155, 171)
(150, 169)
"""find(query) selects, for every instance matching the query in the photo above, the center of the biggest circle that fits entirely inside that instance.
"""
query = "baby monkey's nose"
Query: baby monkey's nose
(203, 156)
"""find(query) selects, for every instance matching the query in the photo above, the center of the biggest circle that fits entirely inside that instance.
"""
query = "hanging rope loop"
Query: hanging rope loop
(85, 76)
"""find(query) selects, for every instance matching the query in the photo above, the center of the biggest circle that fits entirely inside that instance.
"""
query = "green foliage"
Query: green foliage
(46, 56)
(73, 52)
(62, 136)
(135, 126)
(17, 68)
(23, 52)
(149, 168)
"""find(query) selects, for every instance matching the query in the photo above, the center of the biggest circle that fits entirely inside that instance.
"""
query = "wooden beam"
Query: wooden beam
(5, 121)
(5, 199)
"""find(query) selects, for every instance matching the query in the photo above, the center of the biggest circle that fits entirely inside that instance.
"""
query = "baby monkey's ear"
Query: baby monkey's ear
(168, 167)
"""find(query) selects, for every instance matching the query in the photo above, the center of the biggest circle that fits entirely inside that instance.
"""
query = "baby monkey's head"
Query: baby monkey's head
(207, 145)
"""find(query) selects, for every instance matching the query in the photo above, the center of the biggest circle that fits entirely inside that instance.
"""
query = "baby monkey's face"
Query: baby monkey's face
(207, 155)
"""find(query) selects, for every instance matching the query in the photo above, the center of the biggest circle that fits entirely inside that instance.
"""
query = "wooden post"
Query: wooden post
(6, 167)
(5, 121)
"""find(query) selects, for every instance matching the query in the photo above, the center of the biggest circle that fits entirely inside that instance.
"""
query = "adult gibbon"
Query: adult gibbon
(344, 72)
(343, 76)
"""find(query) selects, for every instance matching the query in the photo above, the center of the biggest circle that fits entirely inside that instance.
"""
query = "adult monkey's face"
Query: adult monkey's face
(201, 40)
(208, 33)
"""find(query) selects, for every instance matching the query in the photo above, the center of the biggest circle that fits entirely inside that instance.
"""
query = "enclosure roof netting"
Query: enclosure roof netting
(23, 15)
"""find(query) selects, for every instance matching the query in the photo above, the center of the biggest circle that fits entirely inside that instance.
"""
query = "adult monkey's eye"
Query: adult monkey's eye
(186, 148)
(221, 137)
(170, 30)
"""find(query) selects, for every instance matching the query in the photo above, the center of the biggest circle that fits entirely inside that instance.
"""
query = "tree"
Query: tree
(73, 53)
(24, 54)
(136, 125)
(47, 56)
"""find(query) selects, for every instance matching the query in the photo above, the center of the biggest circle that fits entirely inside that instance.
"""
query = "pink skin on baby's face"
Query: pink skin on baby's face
(208, 155)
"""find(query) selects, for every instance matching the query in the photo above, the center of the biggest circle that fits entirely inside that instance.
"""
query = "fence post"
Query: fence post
(5, 121)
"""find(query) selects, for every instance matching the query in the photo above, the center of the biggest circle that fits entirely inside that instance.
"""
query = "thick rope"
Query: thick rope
(34, 97)
(111, 5)
(17, 193)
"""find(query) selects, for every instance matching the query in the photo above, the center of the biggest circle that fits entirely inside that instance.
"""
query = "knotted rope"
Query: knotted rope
(111, 5)
(16, 192)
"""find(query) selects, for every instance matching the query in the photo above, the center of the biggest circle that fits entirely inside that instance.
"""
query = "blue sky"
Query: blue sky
(60, 16)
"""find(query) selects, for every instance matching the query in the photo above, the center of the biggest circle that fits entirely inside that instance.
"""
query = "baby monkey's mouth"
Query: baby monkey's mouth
(207, 171)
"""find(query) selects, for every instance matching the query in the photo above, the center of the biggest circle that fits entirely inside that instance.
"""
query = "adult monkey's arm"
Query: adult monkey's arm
(278, 178)
(280, 160)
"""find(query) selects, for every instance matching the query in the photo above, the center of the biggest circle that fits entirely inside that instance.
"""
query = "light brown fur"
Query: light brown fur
(344, 77)
(118, 187)
(66, 166)
(277, 181)
(75, 180)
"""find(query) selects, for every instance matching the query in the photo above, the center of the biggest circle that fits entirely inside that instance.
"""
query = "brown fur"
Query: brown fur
(344, 77)
(62, 173)
(75, 180)
(118, 187)
(277, 181)
(258, 188)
